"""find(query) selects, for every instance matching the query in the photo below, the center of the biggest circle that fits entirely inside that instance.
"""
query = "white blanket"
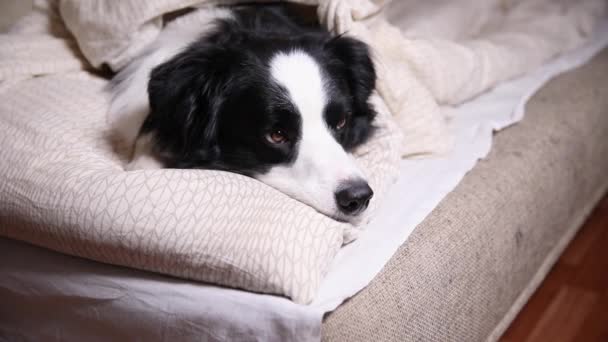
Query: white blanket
(145, 306)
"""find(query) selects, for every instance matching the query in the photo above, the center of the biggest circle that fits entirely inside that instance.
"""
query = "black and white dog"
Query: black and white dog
(256, 91)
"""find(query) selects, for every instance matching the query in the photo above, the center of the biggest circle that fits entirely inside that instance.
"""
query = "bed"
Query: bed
(463, 274)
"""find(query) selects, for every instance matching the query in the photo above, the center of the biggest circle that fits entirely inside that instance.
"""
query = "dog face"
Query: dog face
(286, 112)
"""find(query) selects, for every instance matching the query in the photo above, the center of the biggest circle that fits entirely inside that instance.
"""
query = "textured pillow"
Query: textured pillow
(62, 186)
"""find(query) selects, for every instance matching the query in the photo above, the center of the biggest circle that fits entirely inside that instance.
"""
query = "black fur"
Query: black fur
(212, 104)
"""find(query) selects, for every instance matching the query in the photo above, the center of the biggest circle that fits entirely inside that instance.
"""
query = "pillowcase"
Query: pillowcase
(63, 186)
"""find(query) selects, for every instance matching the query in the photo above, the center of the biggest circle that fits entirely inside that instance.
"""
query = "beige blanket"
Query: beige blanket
(62, 184)
(446, 53)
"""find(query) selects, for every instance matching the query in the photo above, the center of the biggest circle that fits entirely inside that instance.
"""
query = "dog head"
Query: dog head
(284, 111)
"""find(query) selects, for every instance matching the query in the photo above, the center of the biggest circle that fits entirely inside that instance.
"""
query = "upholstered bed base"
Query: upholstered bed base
(469, 268)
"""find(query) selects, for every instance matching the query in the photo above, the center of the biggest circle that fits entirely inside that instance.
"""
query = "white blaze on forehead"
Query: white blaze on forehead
(300, 74)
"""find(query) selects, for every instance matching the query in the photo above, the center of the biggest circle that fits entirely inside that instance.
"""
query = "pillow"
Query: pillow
(62, 186)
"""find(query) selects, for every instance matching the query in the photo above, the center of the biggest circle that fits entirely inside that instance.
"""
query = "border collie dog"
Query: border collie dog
(257, 91)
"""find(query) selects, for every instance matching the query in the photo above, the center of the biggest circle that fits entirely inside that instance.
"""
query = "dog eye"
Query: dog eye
(341, 123)
(276, 137)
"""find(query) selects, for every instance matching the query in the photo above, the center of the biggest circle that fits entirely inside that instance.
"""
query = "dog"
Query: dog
(257, 91)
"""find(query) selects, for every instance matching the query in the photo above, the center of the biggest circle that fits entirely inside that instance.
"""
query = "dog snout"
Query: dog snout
(353, 197)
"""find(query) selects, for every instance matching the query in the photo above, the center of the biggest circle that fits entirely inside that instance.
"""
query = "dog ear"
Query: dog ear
(185, 94)
(355, 66)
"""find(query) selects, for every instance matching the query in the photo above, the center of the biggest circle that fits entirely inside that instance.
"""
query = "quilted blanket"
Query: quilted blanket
(62, 180)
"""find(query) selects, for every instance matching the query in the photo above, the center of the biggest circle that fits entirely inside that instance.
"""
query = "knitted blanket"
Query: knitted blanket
(62, 180)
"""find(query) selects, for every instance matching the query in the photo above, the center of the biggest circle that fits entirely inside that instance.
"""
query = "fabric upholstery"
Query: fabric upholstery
(466, 264)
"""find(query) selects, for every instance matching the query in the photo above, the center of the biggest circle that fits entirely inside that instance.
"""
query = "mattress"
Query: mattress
(462, 275)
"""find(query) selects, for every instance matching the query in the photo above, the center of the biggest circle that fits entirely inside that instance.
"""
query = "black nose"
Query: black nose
(353, 197)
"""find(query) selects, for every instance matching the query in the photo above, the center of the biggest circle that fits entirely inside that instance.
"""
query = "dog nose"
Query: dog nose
(353, 197)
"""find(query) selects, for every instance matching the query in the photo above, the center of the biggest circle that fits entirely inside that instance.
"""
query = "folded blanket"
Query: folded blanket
(63, 186)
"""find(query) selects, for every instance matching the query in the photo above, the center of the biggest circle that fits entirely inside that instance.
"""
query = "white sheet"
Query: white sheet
(473, 124)
(70, 298)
